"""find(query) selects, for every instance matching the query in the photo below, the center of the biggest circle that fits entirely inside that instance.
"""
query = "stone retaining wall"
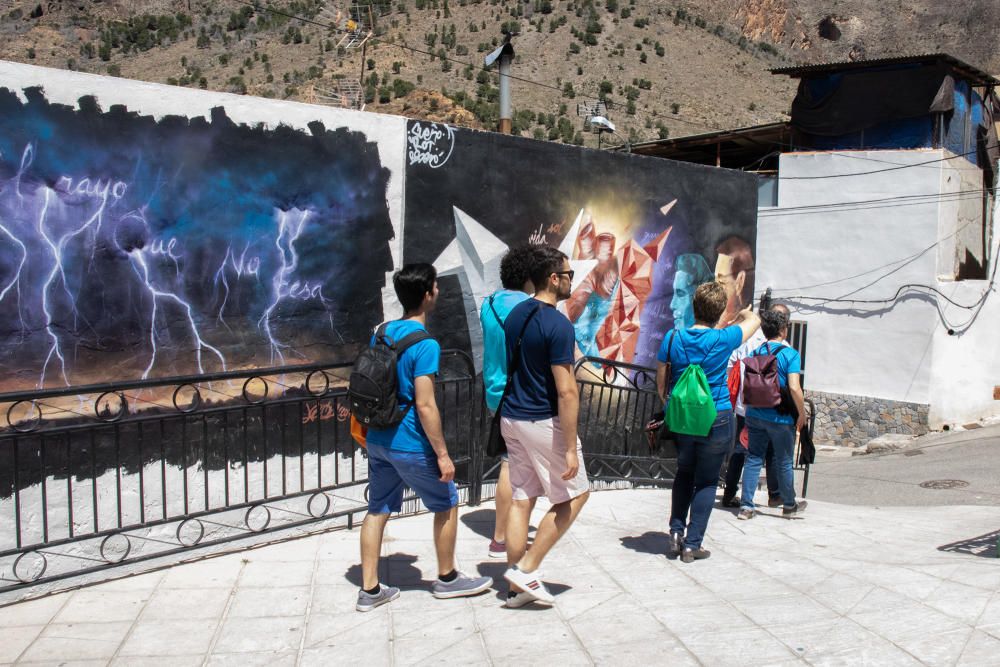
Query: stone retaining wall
(851, 421)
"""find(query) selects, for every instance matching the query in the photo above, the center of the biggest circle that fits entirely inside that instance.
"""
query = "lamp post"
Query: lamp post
(505, 54)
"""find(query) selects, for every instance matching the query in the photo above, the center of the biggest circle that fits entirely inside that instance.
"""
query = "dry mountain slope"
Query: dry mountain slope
(667, 67)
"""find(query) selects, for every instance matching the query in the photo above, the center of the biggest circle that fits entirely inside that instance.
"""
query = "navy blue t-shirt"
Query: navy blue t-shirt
(548, 341)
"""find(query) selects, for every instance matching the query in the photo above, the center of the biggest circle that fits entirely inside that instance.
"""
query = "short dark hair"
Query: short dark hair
(547, 260)
(710, 302)
(412, 283)
(772, 322)
(516, 265)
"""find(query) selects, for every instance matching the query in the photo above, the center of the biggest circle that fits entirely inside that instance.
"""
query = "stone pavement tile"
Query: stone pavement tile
(14, 640)
(495, 615)
(333, 599)
(750, 587)
(171, 660)
(445, 625)
(163, 638)
(913, 584)
(186, 603)
(351, 627)
(734, 647)
(616, 623)
(981, 573)
(966, 603)
(139, 582)
(67, 663)
(543, 638)
(259, 659)
(32, 612)
(777, 611)
(95, 605)
(933, 647)
(77, 641)
(982, 649)
(900, 623)
(844, 600)
(304, 548)
(367, 654)
(289, 601)
(817, 640)
(428, 651)
(210, 573)
(573, 604)
(660, 650)
(276, 574)
(800, 573)
(256, 635)
(989, 621)
(679, 616)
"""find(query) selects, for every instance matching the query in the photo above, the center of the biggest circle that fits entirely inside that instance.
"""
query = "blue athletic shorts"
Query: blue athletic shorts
(389, 471)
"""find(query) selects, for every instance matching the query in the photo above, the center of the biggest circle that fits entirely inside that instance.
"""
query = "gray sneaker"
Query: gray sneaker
(795, 509)
(461, 586)
(385, 595)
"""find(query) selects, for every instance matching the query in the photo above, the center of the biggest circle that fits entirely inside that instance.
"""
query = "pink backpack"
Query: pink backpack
(761, 388)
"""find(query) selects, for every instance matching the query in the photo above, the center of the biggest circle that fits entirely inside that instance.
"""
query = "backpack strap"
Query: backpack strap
(515, 361)
(409, 340)
(494, 310)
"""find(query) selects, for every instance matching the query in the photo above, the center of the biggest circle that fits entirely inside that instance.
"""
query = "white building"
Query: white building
(877, 226)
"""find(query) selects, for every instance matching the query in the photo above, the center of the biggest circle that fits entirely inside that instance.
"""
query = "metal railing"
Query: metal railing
(101, 475)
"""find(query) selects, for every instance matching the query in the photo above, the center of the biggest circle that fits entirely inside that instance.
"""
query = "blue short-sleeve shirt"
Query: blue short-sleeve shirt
(711, 349)
(789, 361)
(494, 311)
(420, 359)
(548, 341)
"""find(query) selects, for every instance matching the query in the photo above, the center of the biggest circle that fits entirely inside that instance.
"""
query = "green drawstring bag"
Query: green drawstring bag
(691, 408)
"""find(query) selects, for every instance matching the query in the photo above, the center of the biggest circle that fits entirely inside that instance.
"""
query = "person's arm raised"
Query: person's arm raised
(569, 410)
(430, 420)
(748, 322)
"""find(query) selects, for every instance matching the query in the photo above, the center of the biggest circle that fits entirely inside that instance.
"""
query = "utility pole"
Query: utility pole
(505, 54)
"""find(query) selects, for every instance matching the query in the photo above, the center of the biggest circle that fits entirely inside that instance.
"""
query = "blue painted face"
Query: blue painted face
(682, 304)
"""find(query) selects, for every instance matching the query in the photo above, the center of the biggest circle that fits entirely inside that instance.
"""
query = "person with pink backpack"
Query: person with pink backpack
(775, 411)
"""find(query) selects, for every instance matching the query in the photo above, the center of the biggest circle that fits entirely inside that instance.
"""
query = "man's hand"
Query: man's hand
(572, 465)
(447, 468)
(800, 423)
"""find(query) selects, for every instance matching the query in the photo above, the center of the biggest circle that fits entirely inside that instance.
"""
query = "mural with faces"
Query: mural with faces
(135, 247)
(641, 233)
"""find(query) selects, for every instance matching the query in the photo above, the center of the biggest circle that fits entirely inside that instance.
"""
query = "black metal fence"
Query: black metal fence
(97, 476)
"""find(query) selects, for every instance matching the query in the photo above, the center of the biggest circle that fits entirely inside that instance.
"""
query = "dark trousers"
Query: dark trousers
(693, 494)
(734, 471)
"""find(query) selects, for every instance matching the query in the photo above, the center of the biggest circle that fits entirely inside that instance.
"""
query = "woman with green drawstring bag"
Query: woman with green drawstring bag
(691, 378)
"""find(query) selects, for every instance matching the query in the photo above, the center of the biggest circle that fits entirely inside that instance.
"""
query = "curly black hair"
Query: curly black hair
(516, 265)
(773, 322)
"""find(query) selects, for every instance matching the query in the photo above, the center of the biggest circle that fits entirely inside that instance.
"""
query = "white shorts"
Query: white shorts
(537, 459)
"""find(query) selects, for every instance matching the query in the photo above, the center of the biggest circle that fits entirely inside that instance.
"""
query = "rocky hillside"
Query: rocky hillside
(665, 67)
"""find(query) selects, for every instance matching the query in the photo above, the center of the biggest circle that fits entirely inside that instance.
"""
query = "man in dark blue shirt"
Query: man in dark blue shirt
(538, 422)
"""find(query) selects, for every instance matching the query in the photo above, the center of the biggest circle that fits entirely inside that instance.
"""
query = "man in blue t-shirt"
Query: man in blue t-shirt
(538, 422)
(768, 426)
(515, 277)
(413, 454)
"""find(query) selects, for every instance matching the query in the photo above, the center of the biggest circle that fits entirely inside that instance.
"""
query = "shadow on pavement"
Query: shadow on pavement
(496, 571)
(650, 542)
(481, 522)
(395, 570)
(984, 546)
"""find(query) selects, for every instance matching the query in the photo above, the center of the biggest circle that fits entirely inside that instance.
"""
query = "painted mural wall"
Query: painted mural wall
(642, 233)
(150, 231)
(136, 243)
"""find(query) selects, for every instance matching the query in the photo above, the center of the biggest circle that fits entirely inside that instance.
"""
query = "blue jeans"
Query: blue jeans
(698, 464)
(782, 438)
(390, 470)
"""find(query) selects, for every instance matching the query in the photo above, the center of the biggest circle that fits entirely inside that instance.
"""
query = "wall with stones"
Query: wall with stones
(851, 421)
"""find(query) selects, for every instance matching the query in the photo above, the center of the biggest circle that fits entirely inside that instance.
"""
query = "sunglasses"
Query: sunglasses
(569, 273)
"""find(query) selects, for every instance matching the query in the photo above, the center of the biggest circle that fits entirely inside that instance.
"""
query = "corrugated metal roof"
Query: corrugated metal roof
(971, 72)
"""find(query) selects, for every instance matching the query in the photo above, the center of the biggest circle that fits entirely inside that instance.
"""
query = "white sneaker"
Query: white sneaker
(530, 583)
(519, 600)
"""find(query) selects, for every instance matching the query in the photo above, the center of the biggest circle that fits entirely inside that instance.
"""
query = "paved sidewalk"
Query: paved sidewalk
(840, 586)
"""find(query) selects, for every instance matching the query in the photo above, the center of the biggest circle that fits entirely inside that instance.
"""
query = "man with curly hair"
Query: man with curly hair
(515, 278)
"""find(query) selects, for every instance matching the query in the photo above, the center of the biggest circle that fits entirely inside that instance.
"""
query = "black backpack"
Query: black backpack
(373, 383)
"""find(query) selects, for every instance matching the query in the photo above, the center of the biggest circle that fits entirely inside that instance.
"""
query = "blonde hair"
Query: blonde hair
(710, 301)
